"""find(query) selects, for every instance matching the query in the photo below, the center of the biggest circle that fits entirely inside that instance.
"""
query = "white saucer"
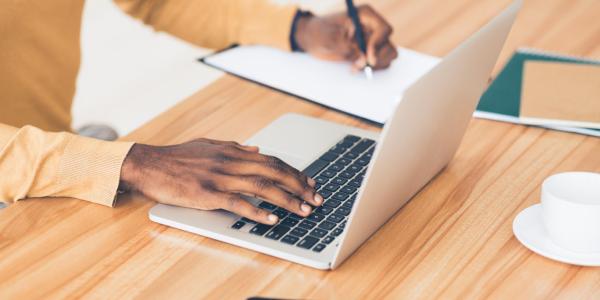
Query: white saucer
(529, 230)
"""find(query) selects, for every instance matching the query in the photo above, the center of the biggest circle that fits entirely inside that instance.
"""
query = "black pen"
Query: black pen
(359, 35)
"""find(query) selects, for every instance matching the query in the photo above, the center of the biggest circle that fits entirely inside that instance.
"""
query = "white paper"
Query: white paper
(332, 84)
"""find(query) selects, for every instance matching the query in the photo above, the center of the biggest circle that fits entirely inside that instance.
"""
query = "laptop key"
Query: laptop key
(328, 173)
(351, 138)
(329, 156)
(347, 174)
(328, 239)
(289, 222)
(354, 168)
(332, 203)
(332, 187)
(351, 200)
(267, 205)
(339, 149)
(338, 231)
(260, 229)
(281, 213)
(315, 217)
(319, 247)
(340, 196)
(345, 144)
(321, 179)
(336, 167)
(325, 193)
(355, 183)
(295, 217)
(362, 146)
(324, 210)
(343, 211)
(350, 155)
(315, 167)
(318, 232)
(300, 232)
(339, 180)
(306, 224)
(327, 225)
(290, 239)
(277, 232)
(238, 225)
(248, 221)
(343, 161)
(348, 190)
(333, 218)
(363, 161)
(347, 205)
(307, 242)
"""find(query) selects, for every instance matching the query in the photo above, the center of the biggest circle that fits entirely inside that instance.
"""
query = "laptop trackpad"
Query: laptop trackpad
(291, 160)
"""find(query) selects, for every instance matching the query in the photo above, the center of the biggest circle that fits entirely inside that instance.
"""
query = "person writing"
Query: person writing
(39, 61)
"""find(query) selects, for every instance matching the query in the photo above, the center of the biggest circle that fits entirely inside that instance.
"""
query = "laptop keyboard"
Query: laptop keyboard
(338, 173)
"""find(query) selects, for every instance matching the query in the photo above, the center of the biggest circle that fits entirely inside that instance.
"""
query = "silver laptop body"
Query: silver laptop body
(416, 143)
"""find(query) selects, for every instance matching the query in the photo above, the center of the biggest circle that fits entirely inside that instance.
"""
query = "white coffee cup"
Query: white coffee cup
(571, 210)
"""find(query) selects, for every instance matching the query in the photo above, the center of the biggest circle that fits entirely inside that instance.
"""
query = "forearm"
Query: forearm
(34, 163)
(217, 24)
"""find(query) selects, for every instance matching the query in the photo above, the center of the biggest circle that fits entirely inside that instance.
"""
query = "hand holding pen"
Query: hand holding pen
(334, 37)
(359, 35)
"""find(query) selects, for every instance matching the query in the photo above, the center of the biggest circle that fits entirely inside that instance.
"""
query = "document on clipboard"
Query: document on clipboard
(332, 84)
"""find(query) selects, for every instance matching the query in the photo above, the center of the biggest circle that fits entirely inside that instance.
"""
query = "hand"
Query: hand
(207, 174)
(331, 37)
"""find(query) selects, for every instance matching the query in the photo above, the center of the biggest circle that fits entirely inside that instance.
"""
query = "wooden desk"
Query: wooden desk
(453, 240)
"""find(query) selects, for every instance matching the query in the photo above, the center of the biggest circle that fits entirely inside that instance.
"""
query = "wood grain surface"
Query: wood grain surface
(453, 240)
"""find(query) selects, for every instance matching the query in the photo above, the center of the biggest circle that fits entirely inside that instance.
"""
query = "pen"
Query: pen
(358, 35)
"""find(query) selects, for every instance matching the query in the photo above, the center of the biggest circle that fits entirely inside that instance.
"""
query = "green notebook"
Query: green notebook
(502, 100)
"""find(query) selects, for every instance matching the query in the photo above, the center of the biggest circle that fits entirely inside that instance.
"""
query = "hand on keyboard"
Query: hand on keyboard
(338, 173)
(207, 174)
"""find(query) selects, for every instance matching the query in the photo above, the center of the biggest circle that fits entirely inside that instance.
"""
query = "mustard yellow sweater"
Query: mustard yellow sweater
(39, 61)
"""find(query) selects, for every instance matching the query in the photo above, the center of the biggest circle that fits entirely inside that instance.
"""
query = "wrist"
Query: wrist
(130, 168)
(299, 30)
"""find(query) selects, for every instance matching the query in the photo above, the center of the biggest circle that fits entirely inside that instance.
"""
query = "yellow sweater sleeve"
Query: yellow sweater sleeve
(35, 163)
(217, 24)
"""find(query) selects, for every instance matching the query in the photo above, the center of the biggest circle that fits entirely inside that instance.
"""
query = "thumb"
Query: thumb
(359, 64)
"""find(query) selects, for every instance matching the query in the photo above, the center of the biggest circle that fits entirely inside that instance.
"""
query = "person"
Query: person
(39, 59)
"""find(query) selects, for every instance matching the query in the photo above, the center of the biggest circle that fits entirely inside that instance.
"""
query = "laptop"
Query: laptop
(364, 176)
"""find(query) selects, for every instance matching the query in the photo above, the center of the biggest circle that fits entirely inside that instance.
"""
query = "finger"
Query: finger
(278, 171)
(373, 44)
(291, 179)
(359, 64)
(379, 31)
(269, 191)
(386, 55)
(236, 204)
(352, 53)
(249, 148)
(261, 158)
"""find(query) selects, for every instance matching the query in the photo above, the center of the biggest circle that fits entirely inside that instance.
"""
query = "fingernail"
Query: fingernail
(318, 199)
(305, 207)
(272, 218)
(311, 182)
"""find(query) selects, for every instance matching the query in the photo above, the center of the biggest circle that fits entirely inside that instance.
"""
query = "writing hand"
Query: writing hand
(207, 174)
(331, 37)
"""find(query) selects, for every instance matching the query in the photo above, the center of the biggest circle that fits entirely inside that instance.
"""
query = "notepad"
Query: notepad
(502, 99)
(561, 94)
(331, 84)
